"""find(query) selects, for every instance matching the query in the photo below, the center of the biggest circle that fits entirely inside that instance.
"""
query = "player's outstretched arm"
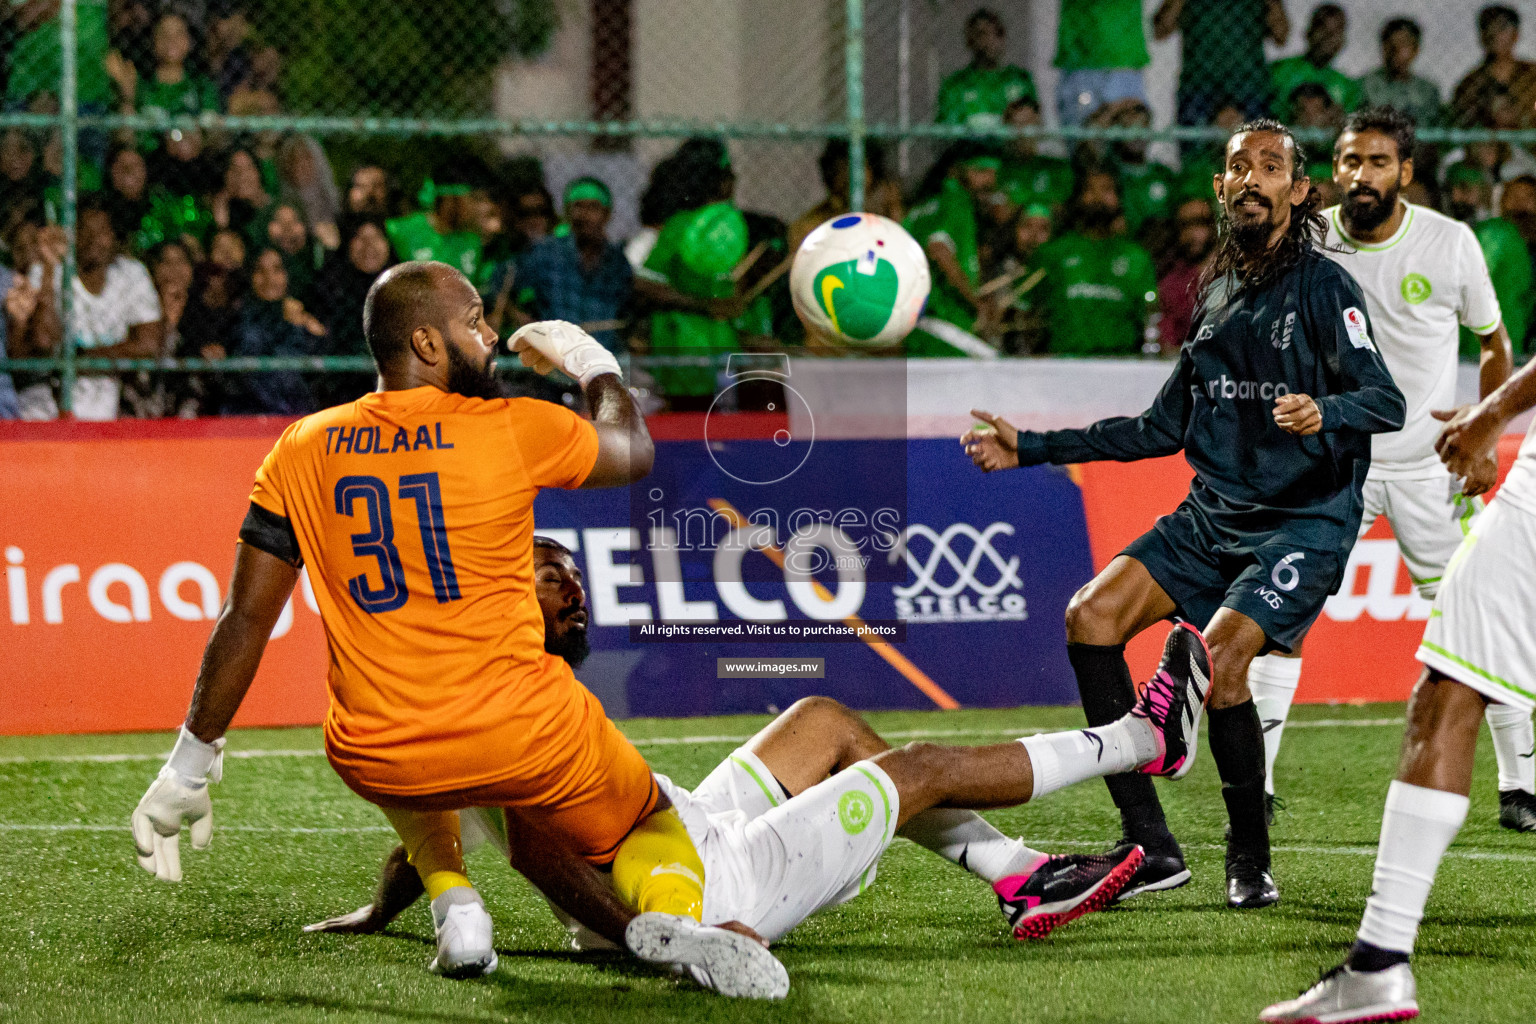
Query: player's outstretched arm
(1156, 432)
(399, 886)
(1471, 431)
(260, 586)
(624, 448)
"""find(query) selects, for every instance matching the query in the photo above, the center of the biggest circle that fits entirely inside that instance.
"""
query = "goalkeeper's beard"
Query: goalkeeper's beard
(572, 645)
(464, 378)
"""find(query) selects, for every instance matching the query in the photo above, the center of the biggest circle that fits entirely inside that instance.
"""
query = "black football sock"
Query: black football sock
(1365, 957)
(1104, 683)
(1237, 744)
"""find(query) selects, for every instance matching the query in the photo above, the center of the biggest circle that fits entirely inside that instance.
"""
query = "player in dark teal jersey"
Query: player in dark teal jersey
(1277, 393)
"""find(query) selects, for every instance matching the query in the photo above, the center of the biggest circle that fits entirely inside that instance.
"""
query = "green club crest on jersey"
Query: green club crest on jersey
(1415, 288)
(855, 810)
(857, 299)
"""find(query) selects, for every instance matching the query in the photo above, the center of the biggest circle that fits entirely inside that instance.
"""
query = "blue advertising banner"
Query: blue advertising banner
(968, 575)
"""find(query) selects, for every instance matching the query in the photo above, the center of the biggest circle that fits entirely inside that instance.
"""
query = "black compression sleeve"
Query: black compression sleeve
(272, 533)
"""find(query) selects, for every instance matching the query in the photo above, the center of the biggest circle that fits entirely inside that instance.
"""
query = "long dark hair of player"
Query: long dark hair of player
(1305, 232)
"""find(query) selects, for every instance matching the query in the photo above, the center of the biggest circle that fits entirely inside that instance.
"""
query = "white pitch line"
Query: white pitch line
(669, 741)
(120, 758)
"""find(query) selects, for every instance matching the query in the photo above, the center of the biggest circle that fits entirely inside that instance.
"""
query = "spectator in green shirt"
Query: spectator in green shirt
(171, 88)
(1146, 187)
(1468, 192)
(1222, 47)
(1026, 177)
(1313, 107)
(1101, 47)
(688, 279)
(979, 93)
(35, 65)
(947, 227)
(36, 59)
(445, 232)
(1394, 84)
(1100, 288)
(1509, 266)
(1506, 241)
(1325, 38)
(145, 215)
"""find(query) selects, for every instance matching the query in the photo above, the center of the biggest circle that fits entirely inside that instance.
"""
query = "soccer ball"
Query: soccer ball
(860, 280)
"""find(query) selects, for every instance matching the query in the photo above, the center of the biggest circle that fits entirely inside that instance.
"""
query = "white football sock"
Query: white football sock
(1514, 741)
(1062, 759)
(1272, 681)
(1416, 829)
(968, 839)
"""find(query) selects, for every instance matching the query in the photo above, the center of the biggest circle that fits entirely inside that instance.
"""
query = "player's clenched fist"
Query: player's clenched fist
(554, 344)
(178, 794)
(996, 447)
(1298, 414)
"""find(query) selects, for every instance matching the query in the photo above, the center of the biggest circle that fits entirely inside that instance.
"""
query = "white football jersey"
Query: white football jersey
(1420, 285)
(1520, 486)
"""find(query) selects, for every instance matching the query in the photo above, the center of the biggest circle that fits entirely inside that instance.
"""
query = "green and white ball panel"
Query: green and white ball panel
(861, 279)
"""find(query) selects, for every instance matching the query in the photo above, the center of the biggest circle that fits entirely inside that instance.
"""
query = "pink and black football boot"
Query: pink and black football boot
(1062, 889)
(1174, 700)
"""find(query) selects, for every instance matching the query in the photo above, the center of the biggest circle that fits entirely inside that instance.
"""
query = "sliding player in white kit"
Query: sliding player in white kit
(796, 820)
(1423, 274)
(1479, 649)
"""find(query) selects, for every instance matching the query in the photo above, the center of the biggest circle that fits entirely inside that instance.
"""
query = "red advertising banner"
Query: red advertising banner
(118, 541)
(1360, 650)
(106, 535)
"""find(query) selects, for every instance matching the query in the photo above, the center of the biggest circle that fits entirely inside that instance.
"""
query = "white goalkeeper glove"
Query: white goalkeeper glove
(548, 344)
(179, 793)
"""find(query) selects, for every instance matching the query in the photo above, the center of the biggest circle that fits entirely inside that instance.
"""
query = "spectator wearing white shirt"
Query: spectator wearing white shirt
(116, 314)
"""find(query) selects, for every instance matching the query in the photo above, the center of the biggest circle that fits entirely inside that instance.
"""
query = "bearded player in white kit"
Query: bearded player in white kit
(1479, 650)
(1423, 274)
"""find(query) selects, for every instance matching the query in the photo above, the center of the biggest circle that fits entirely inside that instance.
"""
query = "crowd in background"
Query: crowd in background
(1096, 250)
(212, 246)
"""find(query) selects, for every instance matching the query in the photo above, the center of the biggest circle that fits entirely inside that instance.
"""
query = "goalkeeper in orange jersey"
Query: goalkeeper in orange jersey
(413, 509)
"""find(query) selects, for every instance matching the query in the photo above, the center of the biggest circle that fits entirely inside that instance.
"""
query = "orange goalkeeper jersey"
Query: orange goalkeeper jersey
(413, 511)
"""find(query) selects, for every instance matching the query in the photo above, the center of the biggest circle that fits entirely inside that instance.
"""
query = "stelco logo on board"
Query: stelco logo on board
(959, 575)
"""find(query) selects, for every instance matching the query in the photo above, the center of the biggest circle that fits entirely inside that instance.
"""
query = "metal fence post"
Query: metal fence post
(853, 61)
(69, 127)
(904, 87)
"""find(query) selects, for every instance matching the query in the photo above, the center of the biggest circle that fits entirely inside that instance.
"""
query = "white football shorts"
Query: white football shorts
(1430, 517)
(821, 848)
(1480, 629)
(740, 783)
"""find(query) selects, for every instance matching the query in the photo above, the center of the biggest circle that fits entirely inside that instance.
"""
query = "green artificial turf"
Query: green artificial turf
(87, 936)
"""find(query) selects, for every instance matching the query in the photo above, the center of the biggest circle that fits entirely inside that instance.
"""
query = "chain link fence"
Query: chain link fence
(227, 143)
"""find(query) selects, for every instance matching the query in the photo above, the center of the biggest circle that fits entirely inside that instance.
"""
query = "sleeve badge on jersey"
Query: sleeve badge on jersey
(1354, 326)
